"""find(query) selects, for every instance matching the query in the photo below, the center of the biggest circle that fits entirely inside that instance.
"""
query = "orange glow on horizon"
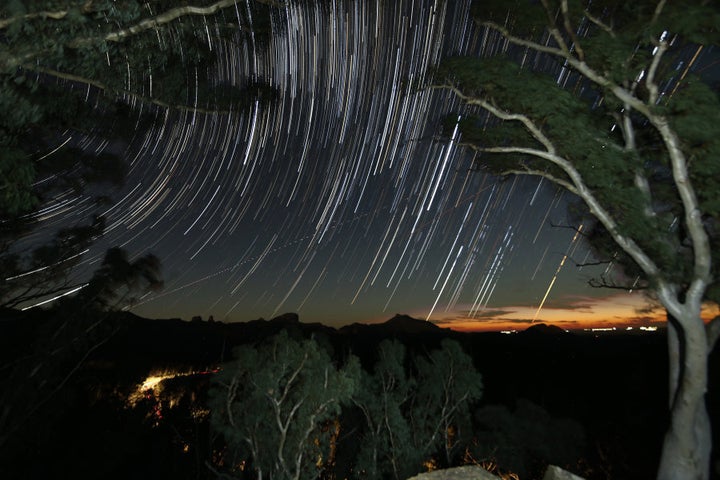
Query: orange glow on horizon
(620, 311)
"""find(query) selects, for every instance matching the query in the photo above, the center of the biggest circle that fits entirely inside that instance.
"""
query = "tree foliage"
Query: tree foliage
(73, 69)
(78, 64)
(415, 411)
(274, 405)
(384, 398)
(602, 132)
(617, 103)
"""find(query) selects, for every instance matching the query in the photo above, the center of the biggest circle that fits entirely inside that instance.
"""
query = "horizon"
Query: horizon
(497, 324)
(341, 202)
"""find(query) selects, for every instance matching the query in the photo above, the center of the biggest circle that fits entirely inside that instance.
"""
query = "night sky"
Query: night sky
(340, 202)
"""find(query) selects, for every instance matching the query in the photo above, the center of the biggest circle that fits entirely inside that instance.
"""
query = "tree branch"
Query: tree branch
(539, 173)
(9, 63)
(693, 219)
(169, 16)
(533, 129)
(521, 41)
(120, 92)
(641, 181)
(554, 31)
(658, 10)
(605, 27)
(652, 70)
(4, 23)
(568, 28)
(605, 283)
(582, 67)
(576, 230)
(28, 294)
(596, 208)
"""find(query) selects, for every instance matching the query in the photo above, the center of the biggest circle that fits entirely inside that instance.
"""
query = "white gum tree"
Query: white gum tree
(610, 101)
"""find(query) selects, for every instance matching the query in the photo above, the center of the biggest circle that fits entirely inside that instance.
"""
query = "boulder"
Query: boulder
(557, 473)
(467, 472)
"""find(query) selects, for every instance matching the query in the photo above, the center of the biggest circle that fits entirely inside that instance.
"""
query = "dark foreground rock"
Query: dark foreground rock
(467, 472)
(474, 472)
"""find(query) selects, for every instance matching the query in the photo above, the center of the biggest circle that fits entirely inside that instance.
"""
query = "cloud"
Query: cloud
(573, 302)
(464, 316)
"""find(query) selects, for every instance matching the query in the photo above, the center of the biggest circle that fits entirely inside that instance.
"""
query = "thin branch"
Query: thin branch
(658, 10)
(650, 80)
(521, 41)
(574, 229)
(26, 295)
(524, 170)
(120, 92)
(604, 26)
(605, 283)
(540, 173)
(641, 181)
(167, 17)
(4, 23)
(628, 244)
(554, 31)
(590, 264)
(533, 129)
(568, 28)
(582, 67)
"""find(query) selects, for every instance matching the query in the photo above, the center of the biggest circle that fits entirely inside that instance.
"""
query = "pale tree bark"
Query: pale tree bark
(687, 444)
(160, 20)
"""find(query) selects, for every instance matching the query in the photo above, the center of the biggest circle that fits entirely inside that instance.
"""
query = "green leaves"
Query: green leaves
(271, 403)
(415, 410)
(589, 94)
(16, 177)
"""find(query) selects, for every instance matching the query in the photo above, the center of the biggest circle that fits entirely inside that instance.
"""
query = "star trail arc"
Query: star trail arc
(337, 200)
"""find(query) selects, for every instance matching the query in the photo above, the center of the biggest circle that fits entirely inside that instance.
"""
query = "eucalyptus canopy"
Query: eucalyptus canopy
(617, 103)
(81, 64)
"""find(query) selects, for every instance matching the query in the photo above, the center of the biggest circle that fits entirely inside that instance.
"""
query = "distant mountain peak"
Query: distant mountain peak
(286, 318)
(410, 324)
(544, 329)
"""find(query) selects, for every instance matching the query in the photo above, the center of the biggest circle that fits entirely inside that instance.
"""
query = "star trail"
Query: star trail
(340, 201)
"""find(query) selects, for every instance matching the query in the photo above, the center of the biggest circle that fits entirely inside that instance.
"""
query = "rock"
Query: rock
(467, 472)
(557, 473)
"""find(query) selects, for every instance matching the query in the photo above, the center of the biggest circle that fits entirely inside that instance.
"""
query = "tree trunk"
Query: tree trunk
(687, 445)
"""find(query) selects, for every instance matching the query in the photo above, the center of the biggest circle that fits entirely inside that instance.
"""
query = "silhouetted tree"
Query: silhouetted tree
(70, 68)
(273, 405)
(605, 99)
(383, 397)
(45, 270)
(415, 412)
(62, 339)
(447, 383)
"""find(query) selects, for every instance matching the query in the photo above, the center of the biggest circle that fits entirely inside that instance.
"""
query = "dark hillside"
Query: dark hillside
(614, 385)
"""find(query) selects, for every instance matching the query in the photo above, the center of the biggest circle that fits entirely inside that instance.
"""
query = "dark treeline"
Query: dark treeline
(388, 401)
